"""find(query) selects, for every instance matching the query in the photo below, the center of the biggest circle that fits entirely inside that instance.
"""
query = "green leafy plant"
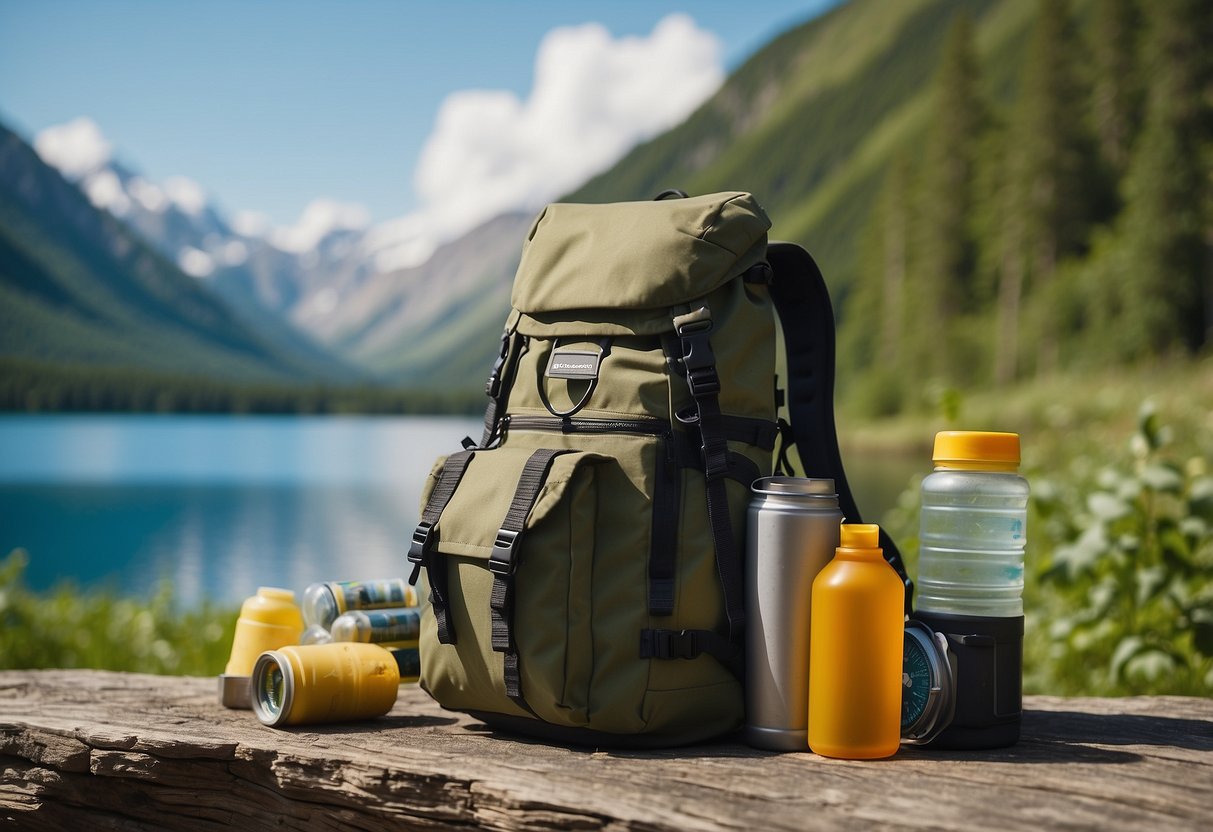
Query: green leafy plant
(68, 628)
(1126, 577)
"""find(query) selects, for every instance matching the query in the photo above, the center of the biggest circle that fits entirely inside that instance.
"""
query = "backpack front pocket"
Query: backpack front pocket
(510, 560)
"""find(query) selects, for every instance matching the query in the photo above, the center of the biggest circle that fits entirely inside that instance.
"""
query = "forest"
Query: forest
(1066, 230)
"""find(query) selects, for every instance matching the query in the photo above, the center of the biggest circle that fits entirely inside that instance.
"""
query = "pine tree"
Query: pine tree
(946, 202)
(1166, 293)
(1051, 164)
(876, 343)
(1116, 103)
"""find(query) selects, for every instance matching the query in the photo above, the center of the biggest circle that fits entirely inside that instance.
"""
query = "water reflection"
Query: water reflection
(215, 505)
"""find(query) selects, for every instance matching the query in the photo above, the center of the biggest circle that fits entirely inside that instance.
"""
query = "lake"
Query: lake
(219, 505)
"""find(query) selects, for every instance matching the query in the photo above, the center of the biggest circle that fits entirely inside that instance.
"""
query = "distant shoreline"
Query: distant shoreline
(43, 387)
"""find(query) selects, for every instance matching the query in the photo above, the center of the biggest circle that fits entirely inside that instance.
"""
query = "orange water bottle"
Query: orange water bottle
(855, 651)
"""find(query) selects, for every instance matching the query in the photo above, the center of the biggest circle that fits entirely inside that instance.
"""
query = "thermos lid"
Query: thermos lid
(977, 450)
(797, 486)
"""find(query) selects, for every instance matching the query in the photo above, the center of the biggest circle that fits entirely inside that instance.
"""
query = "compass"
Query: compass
(927, 687)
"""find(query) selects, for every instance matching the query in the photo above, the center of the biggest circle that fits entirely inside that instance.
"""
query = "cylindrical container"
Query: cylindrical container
(268, 620)
(315, 634)
(336, 682)
(791, 534)
(401, 624)
(974, 527)
(856, 651)
(408, 662)
(970, 582)
(322, 603)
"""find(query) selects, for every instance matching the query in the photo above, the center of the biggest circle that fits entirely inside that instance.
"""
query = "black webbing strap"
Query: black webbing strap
(694, 330)
(501, 377)
(687, 644)
(504, 561)
(803, 303)
(663, 543)
(421, 550)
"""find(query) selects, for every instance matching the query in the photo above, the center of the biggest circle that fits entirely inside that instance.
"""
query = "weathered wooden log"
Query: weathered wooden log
(100, 750)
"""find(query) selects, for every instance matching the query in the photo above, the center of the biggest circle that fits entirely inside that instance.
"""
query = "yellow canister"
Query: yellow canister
(268, 620)
(337, 682)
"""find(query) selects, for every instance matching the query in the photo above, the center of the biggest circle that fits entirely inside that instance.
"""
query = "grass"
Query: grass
(67, 627)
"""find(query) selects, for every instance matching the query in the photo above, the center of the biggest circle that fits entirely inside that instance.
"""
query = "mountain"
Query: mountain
(811, 122)
(262, 280)
(77, 286)
(439, 321)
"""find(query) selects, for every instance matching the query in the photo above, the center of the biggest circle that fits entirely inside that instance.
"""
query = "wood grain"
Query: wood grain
(100, 750)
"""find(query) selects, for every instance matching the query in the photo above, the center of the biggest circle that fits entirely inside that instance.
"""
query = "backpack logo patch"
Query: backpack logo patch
(573, 364)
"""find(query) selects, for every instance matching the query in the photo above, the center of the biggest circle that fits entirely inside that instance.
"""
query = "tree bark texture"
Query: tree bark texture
(86, 749)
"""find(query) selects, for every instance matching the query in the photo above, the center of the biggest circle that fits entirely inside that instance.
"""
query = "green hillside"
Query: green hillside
(77, 287)
(811, 122)
(996, 190)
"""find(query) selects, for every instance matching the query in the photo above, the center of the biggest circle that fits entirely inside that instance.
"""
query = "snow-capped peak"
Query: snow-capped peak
(321, 218)
(76, 148)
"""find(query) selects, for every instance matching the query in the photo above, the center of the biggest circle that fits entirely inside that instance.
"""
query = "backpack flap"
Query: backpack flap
(636, 259)
(512, 554)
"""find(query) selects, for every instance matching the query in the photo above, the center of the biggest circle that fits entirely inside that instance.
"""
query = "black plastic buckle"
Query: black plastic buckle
(668, 644)
(421, 540)
(501, 562)
(696, 345)
(704, 381)
(492, 387)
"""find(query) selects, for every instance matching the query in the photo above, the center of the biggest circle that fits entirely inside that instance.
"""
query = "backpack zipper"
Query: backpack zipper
(649, 426)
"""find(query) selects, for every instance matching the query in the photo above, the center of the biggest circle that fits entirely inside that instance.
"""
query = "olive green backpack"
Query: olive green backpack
(585, 558)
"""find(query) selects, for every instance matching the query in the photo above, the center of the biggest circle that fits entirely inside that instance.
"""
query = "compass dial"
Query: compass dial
(915, 683)
(927, 694)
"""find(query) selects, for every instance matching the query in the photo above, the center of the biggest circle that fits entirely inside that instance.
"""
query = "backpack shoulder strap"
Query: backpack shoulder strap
(803, 303)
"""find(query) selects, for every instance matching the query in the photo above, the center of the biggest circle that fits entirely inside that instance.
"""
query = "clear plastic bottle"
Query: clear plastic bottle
(974, 527)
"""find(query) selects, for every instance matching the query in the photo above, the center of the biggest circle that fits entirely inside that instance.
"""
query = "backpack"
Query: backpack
(585, 558)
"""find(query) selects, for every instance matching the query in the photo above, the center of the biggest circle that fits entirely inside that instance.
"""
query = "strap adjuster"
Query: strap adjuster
(492, 387)
(421, 541)
(669, 644)
(715, 452)
(501, 562)
(704, 381)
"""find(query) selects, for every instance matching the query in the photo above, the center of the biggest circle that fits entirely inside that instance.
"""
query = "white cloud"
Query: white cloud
(594, 97)
(320, 218)
(194, 262)
(76, 148)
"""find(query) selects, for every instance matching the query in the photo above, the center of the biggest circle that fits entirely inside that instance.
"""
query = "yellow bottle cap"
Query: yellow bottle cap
(859, 536)
(273, 606)
(976, 450)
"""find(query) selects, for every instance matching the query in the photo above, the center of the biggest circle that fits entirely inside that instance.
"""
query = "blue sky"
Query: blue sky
(271, 104)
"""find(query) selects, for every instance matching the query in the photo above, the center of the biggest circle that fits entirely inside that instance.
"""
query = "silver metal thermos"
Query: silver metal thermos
(793, 530)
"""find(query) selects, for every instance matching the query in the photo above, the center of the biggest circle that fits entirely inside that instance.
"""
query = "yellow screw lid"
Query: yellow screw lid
(976, 450)
(859, 536)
